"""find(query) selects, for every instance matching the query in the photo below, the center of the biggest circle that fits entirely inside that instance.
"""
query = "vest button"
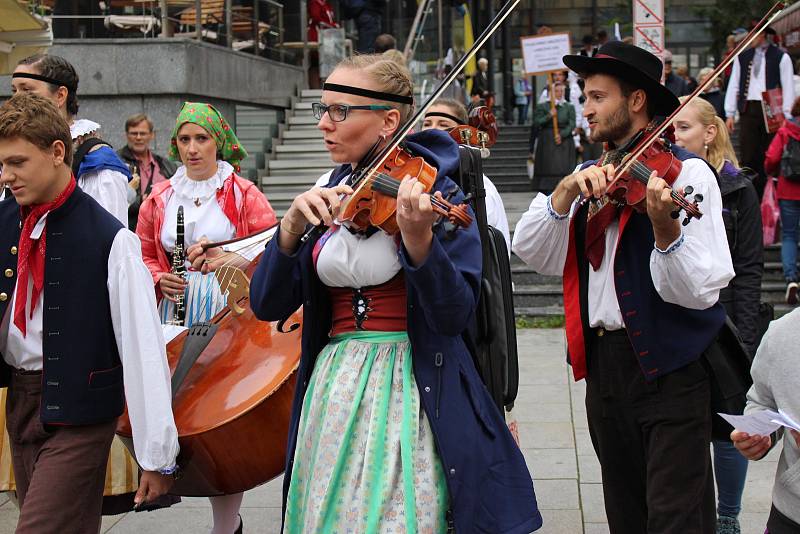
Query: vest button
(3, 297)
(13, 250)
(9, 273)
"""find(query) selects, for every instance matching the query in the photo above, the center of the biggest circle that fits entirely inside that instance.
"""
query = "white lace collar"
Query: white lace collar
(82, 127)
(200, 189)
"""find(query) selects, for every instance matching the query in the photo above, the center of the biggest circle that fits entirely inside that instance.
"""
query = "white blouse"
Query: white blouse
(109, 188)
(202, 215)
(353, 260)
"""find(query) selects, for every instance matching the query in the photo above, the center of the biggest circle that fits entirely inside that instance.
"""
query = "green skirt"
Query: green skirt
(365, 460)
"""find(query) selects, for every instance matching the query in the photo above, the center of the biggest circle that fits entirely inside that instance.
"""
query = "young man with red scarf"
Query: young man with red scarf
(79, 335)
(640, 300)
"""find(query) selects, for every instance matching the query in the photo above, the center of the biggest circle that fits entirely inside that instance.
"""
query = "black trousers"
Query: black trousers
(780, 524)
(753, 142)
(652, 440)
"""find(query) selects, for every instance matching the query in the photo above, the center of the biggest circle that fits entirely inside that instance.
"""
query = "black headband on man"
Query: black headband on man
(445, 115)
(43, 78)
(358, 91)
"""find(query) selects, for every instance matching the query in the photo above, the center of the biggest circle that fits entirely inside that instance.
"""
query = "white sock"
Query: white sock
(225, 510)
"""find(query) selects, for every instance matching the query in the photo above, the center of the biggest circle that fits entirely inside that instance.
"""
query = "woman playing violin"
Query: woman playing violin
(217, 205)
(640, 301)
(392, 430)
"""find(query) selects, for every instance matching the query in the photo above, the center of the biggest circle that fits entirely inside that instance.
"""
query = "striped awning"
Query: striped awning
(21, 34)
(788, 26)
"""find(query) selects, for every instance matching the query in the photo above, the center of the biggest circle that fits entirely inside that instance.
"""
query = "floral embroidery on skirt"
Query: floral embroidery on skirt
(365, 460)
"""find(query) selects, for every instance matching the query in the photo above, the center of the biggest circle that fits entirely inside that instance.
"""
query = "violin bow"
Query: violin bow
(206, 246)
(404, 130)
(745, 43)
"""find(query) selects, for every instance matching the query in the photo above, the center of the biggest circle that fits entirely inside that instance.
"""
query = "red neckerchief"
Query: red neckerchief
(31, 255)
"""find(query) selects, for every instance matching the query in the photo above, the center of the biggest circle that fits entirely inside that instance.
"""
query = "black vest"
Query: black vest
(772, 71)
(82, 371)
(664, 336)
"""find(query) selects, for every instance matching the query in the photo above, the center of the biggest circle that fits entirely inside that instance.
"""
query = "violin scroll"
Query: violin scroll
(690, 207)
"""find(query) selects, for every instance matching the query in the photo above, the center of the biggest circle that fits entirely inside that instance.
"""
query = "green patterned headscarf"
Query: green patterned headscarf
(214, 123)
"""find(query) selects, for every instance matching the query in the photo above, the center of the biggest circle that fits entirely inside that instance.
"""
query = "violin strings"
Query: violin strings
(393, 187)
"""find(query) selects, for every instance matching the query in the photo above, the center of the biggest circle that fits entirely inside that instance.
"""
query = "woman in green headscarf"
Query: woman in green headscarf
(217, 205)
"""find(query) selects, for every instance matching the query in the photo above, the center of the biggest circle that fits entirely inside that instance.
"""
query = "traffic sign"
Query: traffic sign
(651, 38)
(648, 12)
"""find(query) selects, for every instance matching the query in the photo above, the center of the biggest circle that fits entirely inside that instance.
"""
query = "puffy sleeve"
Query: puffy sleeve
(142, 349)
(110, 189)
(541, 237)
(691, 271)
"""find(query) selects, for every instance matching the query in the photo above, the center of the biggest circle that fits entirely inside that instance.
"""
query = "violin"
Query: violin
(374, 199)
(652, 152)
(630, 187)
(480, 131)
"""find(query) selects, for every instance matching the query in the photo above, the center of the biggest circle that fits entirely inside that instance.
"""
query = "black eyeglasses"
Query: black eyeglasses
(338, 112)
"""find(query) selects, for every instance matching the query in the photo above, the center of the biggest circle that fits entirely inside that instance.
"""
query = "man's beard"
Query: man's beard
(614, 128)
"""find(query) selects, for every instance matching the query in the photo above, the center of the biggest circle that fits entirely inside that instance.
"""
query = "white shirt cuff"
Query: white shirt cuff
(675, 245)
(552, 213)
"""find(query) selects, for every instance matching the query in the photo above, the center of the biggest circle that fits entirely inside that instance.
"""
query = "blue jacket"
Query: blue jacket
(489, 486)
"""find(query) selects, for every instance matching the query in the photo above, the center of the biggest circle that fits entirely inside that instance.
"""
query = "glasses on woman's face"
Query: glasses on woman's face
(338, 112)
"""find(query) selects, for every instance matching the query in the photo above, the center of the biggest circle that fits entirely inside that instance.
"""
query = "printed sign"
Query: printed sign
(648, 12)
(651, 38)
(543, 53)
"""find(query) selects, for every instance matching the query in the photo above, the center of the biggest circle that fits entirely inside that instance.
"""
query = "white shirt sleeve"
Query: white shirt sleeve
(787, 84)
(323, 180)
(142, 350)
(541, 237)
(732, 94)
(110, 189)
(496, 211)
(693, 269)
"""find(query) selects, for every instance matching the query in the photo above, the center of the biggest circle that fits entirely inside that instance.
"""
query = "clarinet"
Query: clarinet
(179, 268)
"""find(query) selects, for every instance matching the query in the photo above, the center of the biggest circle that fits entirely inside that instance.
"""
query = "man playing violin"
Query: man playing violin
(640, 301)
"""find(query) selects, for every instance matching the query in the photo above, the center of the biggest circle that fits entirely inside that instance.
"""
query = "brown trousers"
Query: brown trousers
(60, 470)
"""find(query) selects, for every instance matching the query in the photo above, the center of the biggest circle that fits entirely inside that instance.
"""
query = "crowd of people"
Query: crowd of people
(392, 428)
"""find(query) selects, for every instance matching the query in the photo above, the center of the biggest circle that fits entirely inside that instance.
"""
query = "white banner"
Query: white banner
(543, 53)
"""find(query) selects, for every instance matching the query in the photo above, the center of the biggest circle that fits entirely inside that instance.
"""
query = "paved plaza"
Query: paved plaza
(555, 441)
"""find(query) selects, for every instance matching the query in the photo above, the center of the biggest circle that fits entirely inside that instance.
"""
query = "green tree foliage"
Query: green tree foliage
(727, 15)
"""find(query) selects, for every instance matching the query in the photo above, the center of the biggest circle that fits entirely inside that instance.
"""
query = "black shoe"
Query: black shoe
(241, 524)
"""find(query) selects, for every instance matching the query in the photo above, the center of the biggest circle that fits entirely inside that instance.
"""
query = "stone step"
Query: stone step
(297, 149)
(288, 180)
(535, 295)
(302, 120)
(311, 173)
(302, 105)
(301, 133)
(311, 93)
(539, 311)
(523, 275)
(300, 163)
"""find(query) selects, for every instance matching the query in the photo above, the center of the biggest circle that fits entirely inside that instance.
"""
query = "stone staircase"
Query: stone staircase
(297, 156)
(507, 164)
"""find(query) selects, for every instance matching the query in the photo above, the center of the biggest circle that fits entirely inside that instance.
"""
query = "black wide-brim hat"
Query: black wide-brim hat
(635, 65)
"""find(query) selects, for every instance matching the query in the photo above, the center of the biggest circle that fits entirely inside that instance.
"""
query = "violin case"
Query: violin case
(492, 338)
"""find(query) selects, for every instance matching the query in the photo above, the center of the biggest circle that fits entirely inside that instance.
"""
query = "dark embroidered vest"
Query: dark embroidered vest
(82, 372)
(772, 71)
(664, 336)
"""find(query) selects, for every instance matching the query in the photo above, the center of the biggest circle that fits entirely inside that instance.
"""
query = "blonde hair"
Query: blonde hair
(396, 56)
(391, 77)
(720, 148)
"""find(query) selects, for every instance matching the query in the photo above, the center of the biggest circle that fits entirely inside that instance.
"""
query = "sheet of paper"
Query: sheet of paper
(760, 423)
(786, 420)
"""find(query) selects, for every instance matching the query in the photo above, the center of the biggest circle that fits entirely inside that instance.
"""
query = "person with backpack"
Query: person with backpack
(698, 129)
(783, 160)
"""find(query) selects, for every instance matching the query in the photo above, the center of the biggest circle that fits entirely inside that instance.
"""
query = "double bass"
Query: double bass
(233, 382)
(233, 378)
